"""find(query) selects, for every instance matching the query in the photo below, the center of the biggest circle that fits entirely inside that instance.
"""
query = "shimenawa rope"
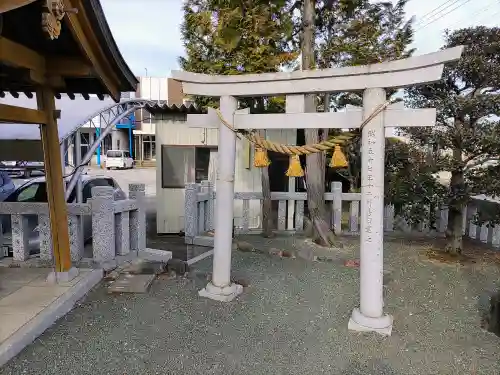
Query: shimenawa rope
(262, 145)
(326, 145)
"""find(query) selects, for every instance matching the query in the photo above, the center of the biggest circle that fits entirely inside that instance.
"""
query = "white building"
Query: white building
(161, 89)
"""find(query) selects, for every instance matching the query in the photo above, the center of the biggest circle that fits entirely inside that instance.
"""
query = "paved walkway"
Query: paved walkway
(291, 319)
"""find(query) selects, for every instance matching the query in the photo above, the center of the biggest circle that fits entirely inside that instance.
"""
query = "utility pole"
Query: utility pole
(315, 172)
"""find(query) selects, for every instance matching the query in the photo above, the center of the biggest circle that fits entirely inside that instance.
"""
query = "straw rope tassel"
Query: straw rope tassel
(260, 158)
(338, 158)
(294, 168)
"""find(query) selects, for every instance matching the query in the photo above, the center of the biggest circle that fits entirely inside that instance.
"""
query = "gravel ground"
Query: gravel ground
(291, 319)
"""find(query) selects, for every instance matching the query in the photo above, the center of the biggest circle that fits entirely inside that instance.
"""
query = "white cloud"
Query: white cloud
(148, 31)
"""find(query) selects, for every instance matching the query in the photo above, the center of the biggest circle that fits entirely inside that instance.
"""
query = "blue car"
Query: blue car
(7, 187)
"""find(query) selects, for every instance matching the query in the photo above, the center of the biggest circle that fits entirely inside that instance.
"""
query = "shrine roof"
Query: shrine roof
(83, 59)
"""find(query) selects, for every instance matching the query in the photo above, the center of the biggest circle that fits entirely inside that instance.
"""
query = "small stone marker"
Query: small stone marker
(129, 283)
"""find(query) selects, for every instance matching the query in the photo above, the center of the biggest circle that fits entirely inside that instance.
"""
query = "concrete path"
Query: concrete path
(291, 319)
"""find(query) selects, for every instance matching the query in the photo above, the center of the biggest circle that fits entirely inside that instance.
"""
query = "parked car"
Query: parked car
(119, 159)
(22, 168)
(7, 187)
(35, 190)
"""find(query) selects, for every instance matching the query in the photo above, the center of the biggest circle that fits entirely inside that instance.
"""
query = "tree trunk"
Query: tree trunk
(267, 222)
(455, 214)
(315, 175)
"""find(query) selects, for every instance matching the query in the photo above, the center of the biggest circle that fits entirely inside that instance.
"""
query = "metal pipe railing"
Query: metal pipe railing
(88, 156)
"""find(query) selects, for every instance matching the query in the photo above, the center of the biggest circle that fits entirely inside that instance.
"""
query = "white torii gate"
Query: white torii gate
(372, 79)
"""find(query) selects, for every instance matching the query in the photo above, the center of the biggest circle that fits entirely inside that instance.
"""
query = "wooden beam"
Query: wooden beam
(68, 67)
(17, 55)
(20, 115)
(8, 5)
(58, 211)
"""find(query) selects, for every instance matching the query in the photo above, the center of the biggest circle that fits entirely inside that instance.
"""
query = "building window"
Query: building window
(107, 144)
(149, 147)
(182, 165)
(202, 162)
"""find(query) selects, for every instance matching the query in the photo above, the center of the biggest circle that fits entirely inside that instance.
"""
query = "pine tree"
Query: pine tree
(238, 37)
(368, 34)
(466, 139)
(344, 33)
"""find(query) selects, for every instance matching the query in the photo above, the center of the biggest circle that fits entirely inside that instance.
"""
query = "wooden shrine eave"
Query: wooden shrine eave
(15, 55)
(395, 74)
(82, 59)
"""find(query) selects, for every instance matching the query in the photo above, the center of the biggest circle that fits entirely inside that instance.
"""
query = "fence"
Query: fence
(344, 210)
(117, 227)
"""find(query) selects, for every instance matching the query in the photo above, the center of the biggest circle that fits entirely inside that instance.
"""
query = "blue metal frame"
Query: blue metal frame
(98, 134)
(129, 124)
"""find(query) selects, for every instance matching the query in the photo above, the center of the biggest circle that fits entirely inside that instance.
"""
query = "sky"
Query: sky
(149, 35)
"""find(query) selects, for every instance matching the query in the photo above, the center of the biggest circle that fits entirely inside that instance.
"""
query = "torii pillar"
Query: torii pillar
(413, 71)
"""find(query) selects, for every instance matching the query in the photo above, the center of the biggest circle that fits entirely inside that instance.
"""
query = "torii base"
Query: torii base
(224, 294)
(360, 323)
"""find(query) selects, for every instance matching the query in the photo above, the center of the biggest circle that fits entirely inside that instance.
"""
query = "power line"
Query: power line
(476, 15)
(437, 19)
(422, 19)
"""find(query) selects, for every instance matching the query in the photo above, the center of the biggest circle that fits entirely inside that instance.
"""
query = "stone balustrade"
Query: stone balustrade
(118, 226)
(200, 208)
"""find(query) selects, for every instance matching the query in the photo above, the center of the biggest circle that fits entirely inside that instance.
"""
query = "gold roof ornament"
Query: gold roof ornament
(53, 13)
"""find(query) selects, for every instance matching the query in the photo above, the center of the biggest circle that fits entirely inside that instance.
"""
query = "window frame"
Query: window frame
(192, 174)
(13, 198)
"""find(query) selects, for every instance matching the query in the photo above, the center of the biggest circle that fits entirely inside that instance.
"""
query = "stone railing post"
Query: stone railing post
(389, 218)
(138, 217)
(336, 188)
(191, 212)
(122, 232)
(209, 185)
(20, 237)
(45, 238)
(103, 223)
(76, 244)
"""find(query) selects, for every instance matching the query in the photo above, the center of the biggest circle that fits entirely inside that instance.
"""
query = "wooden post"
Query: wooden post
(58, 212)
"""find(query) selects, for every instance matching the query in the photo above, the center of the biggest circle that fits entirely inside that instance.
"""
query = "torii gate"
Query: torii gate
(370, 78)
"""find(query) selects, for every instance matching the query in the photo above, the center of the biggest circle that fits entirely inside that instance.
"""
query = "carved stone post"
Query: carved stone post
(20, 237)
(103, 224)
(138, 217)
(369, 316)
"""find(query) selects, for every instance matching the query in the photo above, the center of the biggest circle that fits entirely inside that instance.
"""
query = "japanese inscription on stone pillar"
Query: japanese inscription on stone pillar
(368, 188)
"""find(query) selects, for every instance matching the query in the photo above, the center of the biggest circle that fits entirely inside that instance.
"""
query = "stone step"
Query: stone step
(131, 283)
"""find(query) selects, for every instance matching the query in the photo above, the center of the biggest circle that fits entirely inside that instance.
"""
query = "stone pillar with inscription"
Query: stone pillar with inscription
(369, 316)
